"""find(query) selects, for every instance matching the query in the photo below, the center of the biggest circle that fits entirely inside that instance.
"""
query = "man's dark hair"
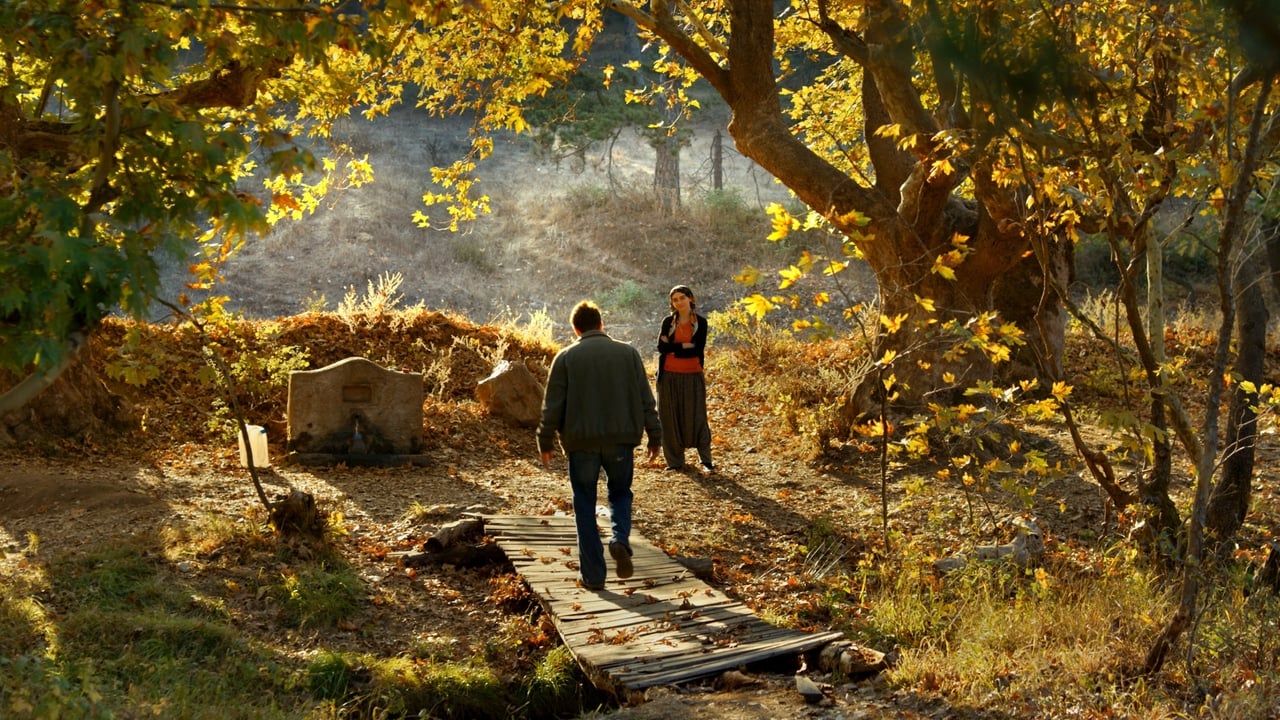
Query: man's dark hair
(586, 316)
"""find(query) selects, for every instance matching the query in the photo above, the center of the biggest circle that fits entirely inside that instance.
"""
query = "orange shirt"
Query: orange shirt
(683, 333)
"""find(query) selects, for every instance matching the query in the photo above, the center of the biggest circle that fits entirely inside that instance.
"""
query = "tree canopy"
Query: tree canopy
(135, 128)
(958, 150)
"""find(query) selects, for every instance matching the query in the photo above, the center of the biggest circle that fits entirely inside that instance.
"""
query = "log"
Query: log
(453, 532)
(468, 556)
(702, 568)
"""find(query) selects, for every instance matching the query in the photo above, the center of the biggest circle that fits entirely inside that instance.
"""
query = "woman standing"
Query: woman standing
(682, 388)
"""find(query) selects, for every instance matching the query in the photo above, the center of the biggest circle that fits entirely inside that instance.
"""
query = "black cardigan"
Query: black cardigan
(674, 348)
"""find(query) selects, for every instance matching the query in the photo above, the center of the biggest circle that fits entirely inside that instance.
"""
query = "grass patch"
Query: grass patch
(400, 686)
(111, 633)
(121, 577)
(148, 638)
(470, 688)
(557, 685)
(988, 632)
(24, 622)
(319, 596)
(33, 686)
(628, 296)
(474, 251)
(220, 534)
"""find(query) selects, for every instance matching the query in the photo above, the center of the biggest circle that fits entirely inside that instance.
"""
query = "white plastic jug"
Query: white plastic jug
(258, 443)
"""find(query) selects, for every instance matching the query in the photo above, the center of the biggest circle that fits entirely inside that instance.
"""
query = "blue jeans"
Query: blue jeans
(618, 463)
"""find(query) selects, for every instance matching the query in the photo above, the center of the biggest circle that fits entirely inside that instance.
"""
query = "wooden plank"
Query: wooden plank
(659, 611)
(662, 626)
(668, 625)
(728, 642)
(712, 662)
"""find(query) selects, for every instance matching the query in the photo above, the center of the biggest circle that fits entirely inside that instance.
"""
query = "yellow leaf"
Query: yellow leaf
(781, 221)
(892, 324)
(889, 131)
(757, 305)
(749, 276)
(789, 277)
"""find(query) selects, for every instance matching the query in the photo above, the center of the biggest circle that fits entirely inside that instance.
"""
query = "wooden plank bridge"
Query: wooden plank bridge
(661, 626)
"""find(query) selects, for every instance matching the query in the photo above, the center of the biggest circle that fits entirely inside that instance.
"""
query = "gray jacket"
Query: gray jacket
(598, 396)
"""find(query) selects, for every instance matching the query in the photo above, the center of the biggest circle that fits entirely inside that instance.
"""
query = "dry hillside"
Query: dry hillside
(560, 230)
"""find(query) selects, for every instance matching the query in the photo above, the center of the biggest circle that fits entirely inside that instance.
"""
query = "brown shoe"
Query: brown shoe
(622, 556)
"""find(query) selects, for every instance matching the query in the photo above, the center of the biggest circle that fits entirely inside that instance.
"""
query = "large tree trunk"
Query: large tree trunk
(1229, 501)
(1158, 507)
(666, 167)
(1022, 298)
(911, 226)
(666, 174)
(910, 222)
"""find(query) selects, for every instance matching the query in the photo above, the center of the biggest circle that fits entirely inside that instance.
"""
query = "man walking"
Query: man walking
(599, 400)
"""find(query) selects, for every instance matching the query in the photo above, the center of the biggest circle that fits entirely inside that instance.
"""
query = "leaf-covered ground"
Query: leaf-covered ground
(158, 466)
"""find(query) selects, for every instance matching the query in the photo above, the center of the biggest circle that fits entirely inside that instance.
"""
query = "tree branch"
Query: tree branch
(662, 24)
(37, 382)
(233, 86)
(232, 7)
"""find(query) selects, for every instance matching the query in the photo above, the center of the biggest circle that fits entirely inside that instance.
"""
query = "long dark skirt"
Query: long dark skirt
(682, 406)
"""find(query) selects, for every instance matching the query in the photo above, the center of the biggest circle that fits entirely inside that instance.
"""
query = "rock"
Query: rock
(512, 393)
(851, 660)
(808, 689)
(1026, 550)
(734, 680)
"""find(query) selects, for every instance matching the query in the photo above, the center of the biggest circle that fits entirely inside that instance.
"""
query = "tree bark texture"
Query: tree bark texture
(666, 175)
(1229, 501)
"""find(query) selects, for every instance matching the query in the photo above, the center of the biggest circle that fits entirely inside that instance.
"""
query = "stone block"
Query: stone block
(355, 407)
